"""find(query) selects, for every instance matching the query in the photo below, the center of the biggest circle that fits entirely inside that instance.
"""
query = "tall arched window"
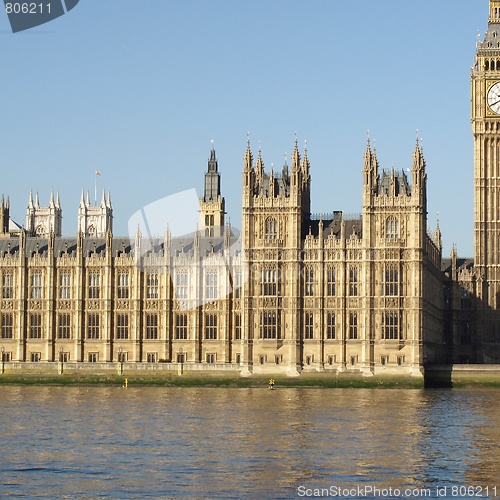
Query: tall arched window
(353, 326)
(270, 281)
(211, 290)
(392, 228)
(390, 280)
(390, 325)
(181, 284)
(309, 282)
(353, 281)
(271, 229)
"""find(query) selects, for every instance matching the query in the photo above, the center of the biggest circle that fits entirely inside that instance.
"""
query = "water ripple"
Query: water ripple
(108, 442)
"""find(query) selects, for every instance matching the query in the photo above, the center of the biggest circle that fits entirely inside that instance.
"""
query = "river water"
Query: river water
(115, 442)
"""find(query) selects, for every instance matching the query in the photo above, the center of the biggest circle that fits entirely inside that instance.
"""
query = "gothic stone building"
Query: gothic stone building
(295, 292)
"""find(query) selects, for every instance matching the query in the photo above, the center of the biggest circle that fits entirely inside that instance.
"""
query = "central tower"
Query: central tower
(485, 118)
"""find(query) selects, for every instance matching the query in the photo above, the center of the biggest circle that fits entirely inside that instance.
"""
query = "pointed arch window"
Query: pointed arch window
(309, 326)
(65, 285)
(7, 325)
(35, 331)
(209, 225)
(36, 285)
(181, 326)
(392, 228)
(331, 282)
(7, 285)
(122, 326)
(330, 326)
(271, 281)
(271, 229)
(391, 279)
(94, 288)
(181, 284)
(123, 285)
(93, 321)
(210, 327)
(309, 281)
(211, 290)
(353, 281)
(152, 326)
(152, 285)
(353, 326)
(390, 325)
(270, 325)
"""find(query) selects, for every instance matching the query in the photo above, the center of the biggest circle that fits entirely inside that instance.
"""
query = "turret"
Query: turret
(95, 220)
(419, 177)
(370, 173)
(40, 221)
(4, 216)
(212, 204)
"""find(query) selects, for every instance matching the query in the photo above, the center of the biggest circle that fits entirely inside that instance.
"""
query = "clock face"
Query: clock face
(494, 98)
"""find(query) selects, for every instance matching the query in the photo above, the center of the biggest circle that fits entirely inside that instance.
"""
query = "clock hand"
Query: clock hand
(495, 103)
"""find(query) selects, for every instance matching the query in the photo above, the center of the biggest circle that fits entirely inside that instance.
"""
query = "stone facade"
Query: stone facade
(296, 292)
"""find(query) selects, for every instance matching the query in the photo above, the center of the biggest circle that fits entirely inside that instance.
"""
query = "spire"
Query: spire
(370, 167)
(248, 159)
(197, 239)
(30, 202)
(305, 162)
(418, 157)
(296, 156)
(51, 240)
(227, 235)
(37, 201)
(109, 200)
(58, 201)
(51, 202)
(103, 200)
(212, 162)
(167, 239)
(368, 157)
(259, 166)
(82, 199)
(212, 179)
(437, 234)
(88, 199)
(109, 241)
(454, 257)
(137, 244)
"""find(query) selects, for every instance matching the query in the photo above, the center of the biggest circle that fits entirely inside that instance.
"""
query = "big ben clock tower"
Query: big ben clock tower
(485, 117)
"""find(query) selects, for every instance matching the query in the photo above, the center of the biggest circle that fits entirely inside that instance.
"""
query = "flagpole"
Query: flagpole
(95, 187)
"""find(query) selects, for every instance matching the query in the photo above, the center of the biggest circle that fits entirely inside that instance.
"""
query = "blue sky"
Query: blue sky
(138, 89)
